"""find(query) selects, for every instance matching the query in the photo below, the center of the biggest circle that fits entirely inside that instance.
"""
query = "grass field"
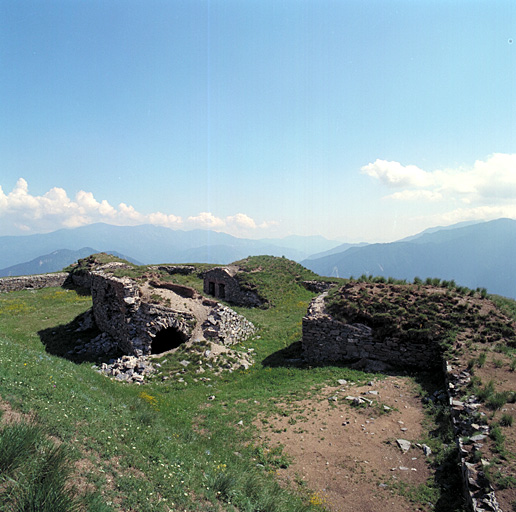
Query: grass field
(162, 446)
(188, 444)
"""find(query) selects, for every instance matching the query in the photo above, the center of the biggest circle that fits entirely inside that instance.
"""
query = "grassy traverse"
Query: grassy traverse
(174, 444)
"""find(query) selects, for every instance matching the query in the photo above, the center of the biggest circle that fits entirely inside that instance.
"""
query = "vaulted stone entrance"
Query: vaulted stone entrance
(167, 339)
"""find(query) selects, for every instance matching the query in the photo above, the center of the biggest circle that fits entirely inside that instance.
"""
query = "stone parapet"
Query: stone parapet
(328, 340)
(12, 284)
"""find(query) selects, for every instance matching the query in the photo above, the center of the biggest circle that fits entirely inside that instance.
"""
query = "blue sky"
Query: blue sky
(350, 119)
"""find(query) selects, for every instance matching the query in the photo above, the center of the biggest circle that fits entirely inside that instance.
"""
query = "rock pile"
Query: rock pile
(226, 327)
(102, 344)
(128, 369)
(470, 432)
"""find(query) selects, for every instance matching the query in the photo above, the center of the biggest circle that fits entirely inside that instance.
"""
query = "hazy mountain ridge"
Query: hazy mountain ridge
(154, 244)
(474, 255)
(54, 261)
(479, 255)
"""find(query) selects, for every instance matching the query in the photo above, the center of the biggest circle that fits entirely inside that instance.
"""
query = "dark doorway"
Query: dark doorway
(211, 288)
(222, 291)
(167, 339)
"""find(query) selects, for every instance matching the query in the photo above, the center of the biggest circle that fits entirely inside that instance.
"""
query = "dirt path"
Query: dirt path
(348, 455)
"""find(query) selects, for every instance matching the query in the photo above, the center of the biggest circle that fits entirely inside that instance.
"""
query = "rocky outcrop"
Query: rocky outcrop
(12, 284)
(328, 340)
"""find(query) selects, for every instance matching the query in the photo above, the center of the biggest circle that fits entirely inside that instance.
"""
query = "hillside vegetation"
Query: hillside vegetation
(185, 440)
(439, 311)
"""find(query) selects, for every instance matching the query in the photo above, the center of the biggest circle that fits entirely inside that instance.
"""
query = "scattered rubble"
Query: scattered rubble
(128, 369)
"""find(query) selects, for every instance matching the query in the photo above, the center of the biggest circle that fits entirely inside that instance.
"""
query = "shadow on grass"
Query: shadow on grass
(67, 341)
(287, 357)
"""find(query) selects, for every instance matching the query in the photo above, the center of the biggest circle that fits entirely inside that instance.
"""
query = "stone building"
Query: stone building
(223, 283)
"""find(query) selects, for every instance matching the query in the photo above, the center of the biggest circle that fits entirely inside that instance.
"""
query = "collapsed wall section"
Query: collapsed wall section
(226, 327)
(328, 340)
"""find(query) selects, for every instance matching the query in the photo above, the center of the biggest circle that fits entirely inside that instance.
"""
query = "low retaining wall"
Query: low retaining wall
(13, 284)
(327, 340)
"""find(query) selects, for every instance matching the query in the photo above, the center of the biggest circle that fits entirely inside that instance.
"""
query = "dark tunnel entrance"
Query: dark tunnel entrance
(167, 339)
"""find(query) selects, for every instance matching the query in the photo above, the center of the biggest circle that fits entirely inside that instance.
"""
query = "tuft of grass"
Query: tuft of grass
(506, 420)
(34, 472)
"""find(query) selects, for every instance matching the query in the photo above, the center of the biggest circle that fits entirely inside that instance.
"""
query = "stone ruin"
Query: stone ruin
(11, 284)
(155, 317)
(326, 340)
(223, 283)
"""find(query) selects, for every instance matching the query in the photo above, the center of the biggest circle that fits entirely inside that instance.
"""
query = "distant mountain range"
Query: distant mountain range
(475, 255)
(147, 244)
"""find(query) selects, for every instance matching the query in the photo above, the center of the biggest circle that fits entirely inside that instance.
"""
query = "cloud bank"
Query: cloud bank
(22, 212)
(484, 191)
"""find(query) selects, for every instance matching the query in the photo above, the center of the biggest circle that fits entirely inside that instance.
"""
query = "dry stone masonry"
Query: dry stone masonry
(137, 326)
(222, 283)
(12, 284)
(328, 340)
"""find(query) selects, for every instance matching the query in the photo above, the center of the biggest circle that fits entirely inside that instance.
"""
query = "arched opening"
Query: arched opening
(167, 339)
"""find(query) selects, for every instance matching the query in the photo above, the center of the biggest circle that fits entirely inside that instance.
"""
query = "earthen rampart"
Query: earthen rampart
(328, 340)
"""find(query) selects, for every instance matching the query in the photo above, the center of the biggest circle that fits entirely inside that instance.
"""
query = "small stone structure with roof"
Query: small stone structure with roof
(223, 283)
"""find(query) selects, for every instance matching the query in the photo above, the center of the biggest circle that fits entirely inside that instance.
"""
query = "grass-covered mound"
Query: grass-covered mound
(274, 279)
(421, 312)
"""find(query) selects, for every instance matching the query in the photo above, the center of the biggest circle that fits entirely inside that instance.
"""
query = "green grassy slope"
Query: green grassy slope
(165, 445)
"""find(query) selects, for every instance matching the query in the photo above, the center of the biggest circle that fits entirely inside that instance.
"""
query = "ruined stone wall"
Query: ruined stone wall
(328, 340)
(12, 284)
(119, 311)
(227, 327)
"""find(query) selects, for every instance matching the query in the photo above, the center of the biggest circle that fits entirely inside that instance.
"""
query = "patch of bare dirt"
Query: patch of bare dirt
(347, 455)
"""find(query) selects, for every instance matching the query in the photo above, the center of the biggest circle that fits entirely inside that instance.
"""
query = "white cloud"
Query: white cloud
(487, 181)
(241, 220)
(394, 174)
(415, 195)
(476, 213)
(207, 220)
(21, 211)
